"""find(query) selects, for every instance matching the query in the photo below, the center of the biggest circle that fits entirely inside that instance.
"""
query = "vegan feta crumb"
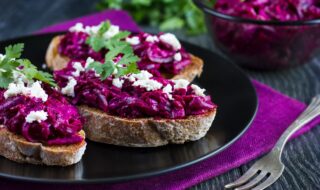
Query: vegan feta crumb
(117, 82)
(170, 39)
(78, 27)
(197, 90)
(69, 88)
(148, 84)
(177, 56)
(34, 90)
(133, 40)
(168, 90)
(36, 116)
(180, 83)
(112, 31)
(78, 68)
(152, 39)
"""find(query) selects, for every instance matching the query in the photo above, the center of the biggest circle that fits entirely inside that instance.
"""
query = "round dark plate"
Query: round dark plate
(229, 88)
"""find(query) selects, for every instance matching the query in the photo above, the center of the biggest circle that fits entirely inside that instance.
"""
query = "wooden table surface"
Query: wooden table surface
(301, 156)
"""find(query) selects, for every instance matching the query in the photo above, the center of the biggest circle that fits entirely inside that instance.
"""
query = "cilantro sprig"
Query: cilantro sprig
(11, 62)
(115, 46)
(97, 41)
(127, 63)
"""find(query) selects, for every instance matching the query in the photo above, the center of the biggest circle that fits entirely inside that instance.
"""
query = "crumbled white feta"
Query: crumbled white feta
(92, 30)
(168, 90)
(36, 116)
(197, 90)
(170, 39)
(152, 39)
(133, 41)
(35, 90)
(78, 27)
(14, 89)
(117, 82)
(78, 68)
(112, 31)
(148, 84)
(88, 62)
(180, 83)
(143, 75)
(177, 56)
(69, 88)
(43, 66)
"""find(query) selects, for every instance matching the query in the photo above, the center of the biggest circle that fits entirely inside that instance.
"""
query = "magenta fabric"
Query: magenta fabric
(275, 113)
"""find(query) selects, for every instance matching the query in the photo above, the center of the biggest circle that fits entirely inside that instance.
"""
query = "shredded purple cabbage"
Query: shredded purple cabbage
(282, 10)
(73, 45)
(60, 128)
(267, 46)
(154, 57)
(130, 101)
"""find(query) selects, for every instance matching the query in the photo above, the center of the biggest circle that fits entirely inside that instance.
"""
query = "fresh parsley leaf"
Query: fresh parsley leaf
(166, 14)
(14, 51)
(104, 70)
(11, 62)
(130, 68)
(127, 59)
(96, 42)
(104, 27)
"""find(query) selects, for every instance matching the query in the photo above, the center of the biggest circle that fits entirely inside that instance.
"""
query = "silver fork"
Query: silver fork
(269, 168)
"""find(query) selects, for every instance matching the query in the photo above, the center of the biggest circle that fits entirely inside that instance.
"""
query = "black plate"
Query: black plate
(230, 89)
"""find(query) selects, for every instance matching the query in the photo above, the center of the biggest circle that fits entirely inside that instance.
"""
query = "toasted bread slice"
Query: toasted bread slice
(149, 132)
(57, 61)
(16, 148)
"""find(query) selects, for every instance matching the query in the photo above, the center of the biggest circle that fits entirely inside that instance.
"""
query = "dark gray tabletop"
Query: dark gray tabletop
(301, 156)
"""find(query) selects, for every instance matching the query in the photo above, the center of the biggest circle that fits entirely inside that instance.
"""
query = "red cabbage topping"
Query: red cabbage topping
(282, 10)
(60, 128)
(73, 45)
(133, 101)
(155, 57)
(267, 46)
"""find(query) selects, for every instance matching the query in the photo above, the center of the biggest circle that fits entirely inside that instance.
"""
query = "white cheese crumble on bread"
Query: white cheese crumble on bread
(117, 82)
(152, 39)
(180, 83)
(34, 90)
(36, 116)
(168, 90)
(148, 84)
(197, 90)
(78, 68)
(170, 39)
(177, 56)
(93, 30)
(133, 40)
(69, 89)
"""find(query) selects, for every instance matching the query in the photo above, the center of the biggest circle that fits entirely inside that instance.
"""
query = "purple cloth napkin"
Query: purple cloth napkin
(276, 112)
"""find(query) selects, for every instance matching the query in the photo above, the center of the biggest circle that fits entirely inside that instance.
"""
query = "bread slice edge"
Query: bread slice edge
(16, 148)
(145, 132)
(56, 61)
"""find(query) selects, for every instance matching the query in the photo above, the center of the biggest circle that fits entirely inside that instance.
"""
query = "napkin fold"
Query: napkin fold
(275, 113)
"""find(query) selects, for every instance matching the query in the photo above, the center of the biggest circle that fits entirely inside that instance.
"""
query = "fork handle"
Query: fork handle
(312, 111)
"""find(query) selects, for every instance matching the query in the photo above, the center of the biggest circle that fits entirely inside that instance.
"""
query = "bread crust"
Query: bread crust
(148, 132)
(18, 149)
(57, 61)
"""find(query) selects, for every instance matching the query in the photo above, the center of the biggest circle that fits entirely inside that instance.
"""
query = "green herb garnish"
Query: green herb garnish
(165, 14)
(11, 62)
(127, 63)
(97, 41)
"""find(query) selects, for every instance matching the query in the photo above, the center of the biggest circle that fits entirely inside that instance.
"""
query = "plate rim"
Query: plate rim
(146, 174)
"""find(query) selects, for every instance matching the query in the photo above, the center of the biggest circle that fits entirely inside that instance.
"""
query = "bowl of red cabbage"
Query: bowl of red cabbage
(264, 34)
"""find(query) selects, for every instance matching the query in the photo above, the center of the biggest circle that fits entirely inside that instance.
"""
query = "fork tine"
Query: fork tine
(270, 180)
(253, 182)
(243, 179)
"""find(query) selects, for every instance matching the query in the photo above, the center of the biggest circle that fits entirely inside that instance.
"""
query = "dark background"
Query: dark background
(301, 156)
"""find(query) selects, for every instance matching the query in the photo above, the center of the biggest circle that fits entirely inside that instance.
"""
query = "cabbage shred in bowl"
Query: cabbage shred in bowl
(265, 34)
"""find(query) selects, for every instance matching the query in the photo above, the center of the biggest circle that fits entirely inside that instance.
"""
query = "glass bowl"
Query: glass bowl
(263, 45)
